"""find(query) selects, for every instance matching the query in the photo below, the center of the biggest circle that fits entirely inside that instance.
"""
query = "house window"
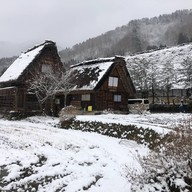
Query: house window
(117, 98)
(46, 68)
(57, 101)
(113, 82)
(85, 97)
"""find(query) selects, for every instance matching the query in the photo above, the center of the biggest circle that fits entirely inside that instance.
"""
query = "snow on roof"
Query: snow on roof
(21, 63)
(173, 57)
(89, 73)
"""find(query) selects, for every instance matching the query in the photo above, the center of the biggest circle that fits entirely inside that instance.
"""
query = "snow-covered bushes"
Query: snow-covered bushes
(138, 109)
(166, 108)
(169, 169)
(18, 115)
(67, 114)
(131, 132)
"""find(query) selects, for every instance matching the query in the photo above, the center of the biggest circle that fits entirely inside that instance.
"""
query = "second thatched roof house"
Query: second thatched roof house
(101, 84)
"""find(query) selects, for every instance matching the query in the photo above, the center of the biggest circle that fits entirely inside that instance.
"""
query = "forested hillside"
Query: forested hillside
(136, 36)
(5, 62)
(165, 69)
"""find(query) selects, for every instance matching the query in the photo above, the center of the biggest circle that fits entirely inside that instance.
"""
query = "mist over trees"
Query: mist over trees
(137, 36)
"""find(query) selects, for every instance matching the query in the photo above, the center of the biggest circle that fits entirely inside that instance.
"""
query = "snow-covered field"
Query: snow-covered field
(35, 155)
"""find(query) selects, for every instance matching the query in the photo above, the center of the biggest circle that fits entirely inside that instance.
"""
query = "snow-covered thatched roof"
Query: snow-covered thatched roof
(88, 74)
(17, 68)
(163, 63)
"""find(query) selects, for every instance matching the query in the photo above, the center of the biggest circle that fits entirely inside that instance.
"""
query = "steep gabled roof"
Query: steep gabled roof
(17, 68)
(88, 74)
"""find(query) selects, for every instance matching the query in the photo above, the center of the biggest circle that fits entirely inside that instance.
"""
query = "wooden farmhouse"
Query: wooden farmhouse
(14, 83)
(101, 84)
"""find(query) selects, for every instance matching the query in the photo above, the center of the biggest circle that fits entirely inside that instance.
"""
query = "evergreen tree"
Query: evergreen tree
(182, 38)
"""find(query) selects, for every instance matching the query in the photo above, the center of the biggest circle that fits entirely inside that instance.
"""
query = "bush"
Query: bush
(158, 108)
(169, 169)
(164, 108)
(131, 132)
(67, 114)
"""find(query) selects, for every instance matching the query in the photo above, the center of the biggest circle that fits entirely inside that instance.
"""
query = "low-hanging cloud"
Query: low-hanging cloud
(72, 21)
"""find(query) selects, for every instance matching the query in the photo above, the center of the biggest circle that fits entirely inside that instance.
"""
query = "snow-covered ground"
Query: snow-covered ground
(36, 155)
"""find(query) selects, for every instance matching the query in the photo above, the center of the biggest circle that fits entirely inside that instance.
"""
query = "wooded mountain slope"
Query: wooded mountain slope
(136, 36)
(168, 68)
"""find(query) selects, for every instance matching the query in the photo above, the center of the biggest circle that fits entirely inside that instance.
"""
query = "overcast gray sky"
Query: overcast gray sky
(24, 22)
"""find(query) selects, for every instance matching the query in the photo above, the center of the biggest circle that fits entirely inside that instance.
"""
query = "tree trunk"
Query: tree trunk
(153, 94)
(168, 96)
(65, 99)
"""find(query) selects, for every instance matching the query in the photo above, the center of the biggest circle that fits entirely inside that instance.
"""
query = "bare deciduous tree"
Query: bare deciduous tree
(186, 72)
(47, 85)
(169, 168)
(65, 85)
(168, 78)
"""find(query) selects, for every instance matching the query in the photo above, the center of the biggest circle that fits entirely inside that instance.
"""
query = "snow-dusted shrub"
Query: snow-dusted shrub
(170, 169)
(169, 108)
(131, 132)
(67, 114)
(138, 109)
(18, 115)
(164, 108)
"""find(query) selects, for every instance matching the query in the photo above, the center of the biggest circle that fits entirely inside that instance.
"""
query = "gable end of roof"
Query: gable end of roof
(17, 68)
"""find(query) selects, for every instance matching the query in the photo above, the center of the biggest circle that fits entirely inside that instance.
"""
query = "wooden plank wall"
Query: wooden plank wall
(8, 98)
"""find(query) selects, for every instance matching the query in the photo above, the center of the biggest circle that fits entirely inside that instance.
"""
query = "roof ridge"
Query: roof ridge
(16, 69)
(98, 60)
(46, 42)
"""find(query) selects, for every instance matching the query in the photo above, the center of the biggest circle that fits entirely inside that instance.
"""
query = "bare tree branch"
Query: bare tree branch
(47, 85)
